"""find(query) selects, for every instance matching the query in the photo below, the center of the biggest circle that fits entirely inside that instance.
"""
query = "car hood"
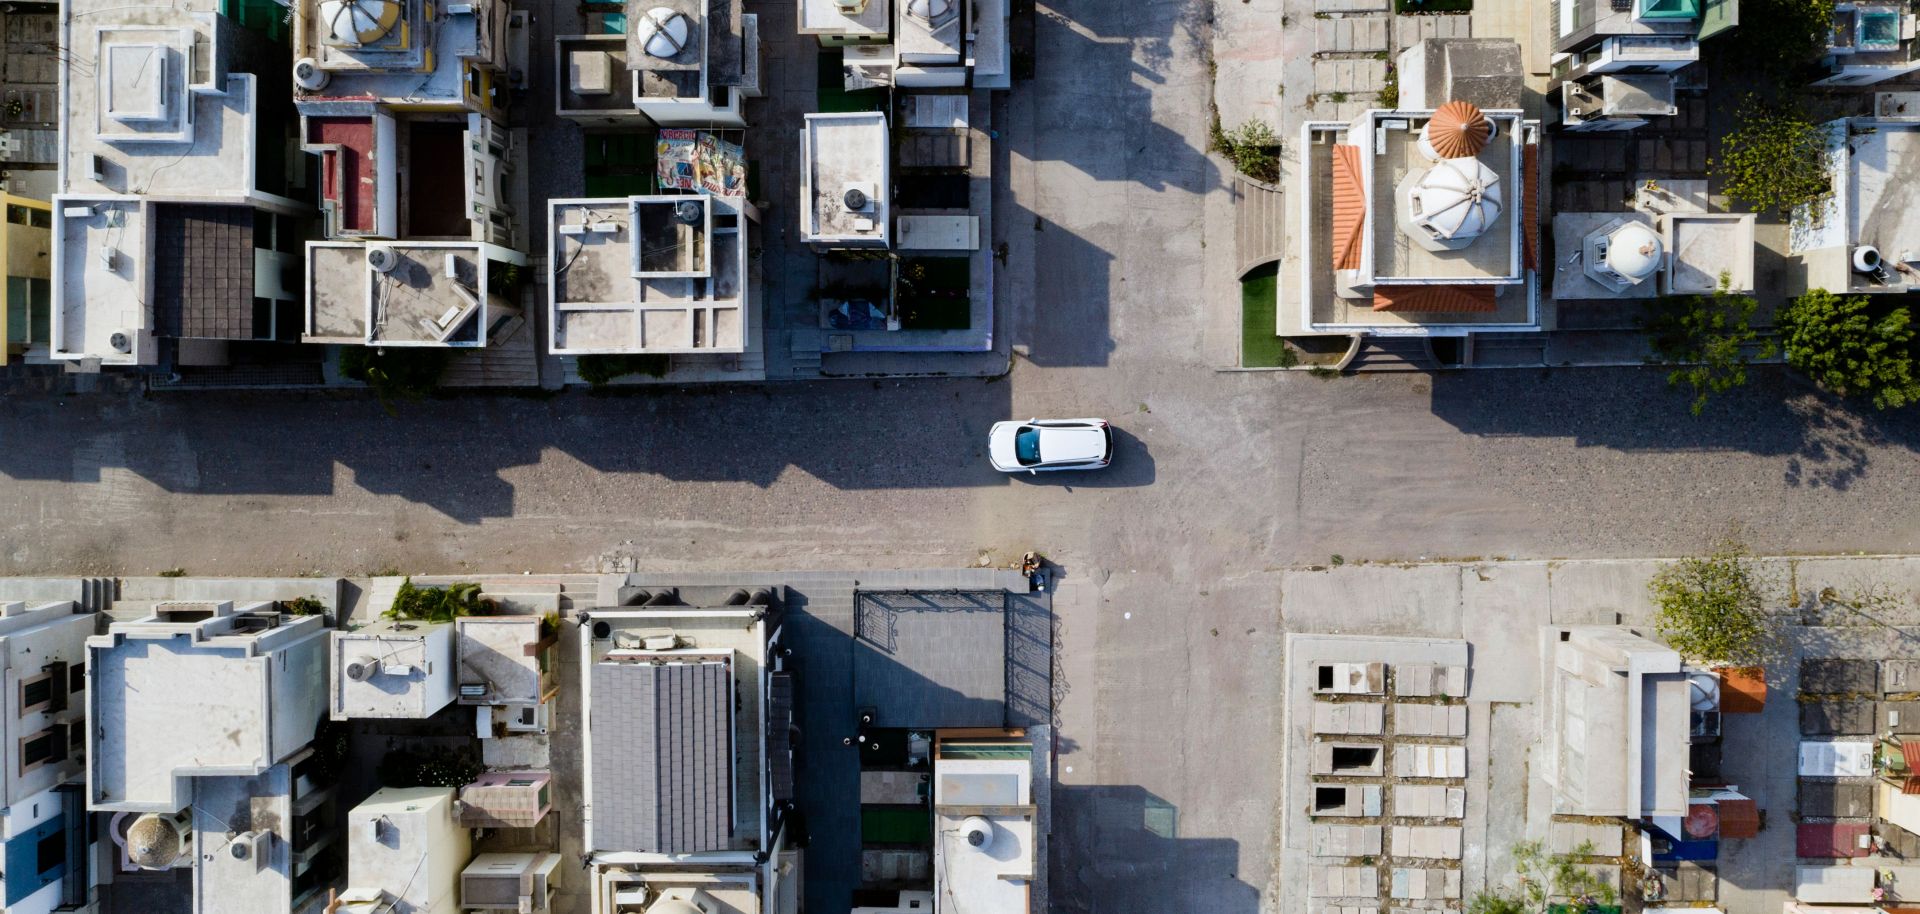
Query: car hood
(1071, 445)
(1000, 445)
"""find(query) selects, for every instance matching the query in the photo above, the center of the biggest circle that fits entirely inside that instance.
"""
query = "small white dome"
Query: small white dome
(1457, 199)
(359, 22)
(1634, 251)
(663, 32)
(929, 10)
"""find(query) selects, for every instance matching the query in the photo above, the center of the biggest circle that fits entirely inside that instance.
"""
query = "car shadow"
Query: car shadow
(1132, 466)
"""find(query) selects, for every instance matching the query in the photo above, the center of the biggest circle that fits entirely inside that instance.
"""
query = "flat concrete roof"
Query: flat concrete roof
(503, 653)
(825, 17)
(200, 145)
(1701, 247)
(223, 883)
(842, 152)
(684, 291)
(433, 295)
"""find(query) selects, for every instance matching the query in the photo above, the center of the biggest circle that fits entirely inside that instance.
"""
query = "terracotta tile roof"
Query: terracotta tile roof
(1739, 818)
(1530, 206)
(1434, 299)
(1349, 207)
(1459, 130)
(1910, 753)
(1743, 690)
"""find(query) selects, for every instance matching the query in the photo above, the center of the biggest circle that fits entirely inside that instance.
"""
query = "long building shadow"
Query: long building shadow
(1118, 849)
(453, 454)
(1822, 441)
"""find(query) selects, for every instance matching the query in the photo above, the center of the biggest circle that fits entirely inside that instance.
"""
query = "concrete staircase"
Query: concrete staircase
(805, 349)
(1509, 350)
(1394, 353)
(512, 363)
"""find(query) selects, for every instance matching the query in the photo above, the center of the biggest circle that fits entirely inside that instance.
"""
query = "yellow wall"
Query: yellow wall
(25, 252)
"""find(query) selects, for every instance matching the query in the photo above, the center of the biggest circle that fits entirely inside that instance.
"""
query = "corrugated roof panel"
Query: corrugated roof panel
(662, 757)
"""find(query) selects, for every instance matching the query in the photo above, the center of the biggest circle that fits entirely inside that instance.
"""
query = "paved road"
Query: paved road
(1171, 615)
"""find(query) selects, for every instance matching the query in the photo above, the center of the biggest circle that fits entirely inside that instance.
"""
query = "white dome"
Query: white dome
(929, 10)
(1634, 251)
(359, 21)
(664, 32)
(1457, 199)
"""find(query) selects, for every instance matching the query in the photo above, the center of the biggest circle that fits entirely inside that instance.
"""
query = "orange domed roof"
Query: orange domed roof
(1458, 130)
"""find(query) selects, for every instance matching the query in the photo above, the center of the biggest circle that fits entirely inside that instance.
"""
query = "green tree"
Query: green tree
(1540, 877)
(1713, 608)
(1844, 348)
(1709, 336)
(1775, 158)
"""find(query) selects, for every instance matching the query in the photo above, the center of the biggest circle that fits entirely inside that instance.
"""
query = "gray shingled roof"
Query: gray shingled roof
(662, 757)
(203, 271)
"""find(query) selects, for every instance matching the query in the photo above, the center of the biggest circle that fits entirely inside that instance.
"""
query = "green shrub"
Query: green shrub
(1253, 148)
(1845, 348)
(302, 606)
(603, 369)
(434, 604)
(395, 372)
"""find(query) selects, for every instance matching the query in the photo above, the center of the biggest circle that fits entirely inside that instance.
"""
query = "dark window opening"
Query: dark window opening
(1355, 758)
(1326, 677)
(50, 852)
(35, 692)
(76, 677)
(1329, 797)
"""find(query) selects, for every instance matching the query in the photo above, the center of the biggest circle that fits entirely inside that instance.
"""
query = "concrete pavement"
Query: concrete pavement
(1221, 482)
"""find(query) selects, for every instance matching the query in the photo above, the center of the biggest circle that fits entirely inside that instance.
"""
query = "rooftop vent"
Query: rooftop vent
(856, 198)
(663, 32)
(382, 258)
(978, 832)
(156, 841)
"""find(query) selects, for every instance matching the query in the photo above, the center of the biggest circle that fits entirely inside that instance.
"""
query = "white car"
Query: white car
(1050, 444)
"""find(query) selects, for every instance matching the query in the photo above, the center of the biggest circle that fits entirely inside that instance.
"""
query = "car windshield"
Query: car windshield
(1026, 445)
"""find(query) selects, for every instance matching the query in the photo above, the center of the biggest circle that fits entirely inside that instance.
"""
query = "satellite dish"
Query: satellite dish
(359, 22)
(663, 32)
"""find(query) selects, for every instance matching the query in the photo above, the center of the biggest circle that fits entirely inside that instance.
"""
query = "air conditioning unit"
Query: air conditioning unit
(509, 882)
(382, 258)
(253, 847)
